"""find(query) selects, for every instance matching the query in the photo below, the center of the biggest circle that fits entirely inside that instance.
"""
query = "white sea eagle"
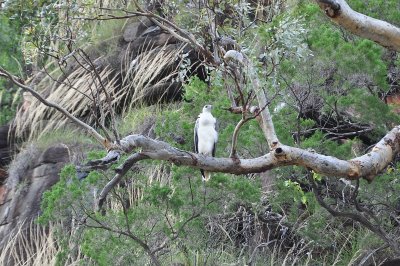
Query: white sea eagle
(205, 136)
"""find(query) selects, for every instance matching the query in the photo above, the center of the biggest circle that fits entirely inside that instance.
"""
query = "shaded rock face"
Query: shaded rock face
(134, 30)
(139, 37)
(143, 36)
(31, 173)
(6, 151)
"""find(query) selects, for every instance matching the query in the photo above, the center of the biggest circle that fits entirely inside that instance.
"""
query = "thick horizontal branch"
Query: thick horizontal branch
(366, 166)
(376, 30)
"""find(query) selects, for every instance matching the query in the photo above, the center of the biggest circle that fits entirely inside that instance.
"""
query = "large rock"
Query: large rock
(31, 173)
(135, 29)
(6, 151)
(6, 147)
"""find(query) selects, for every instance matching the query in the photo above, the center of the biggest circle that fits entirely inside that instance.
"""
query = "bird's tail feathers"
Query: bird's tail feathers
(205, 175)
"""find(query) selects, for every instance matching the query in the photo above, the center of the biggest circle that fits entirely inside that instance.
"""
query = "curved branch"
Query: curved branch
(366, 166)
(121, 171)
(376, 30)
(18, 82)
(235, 136)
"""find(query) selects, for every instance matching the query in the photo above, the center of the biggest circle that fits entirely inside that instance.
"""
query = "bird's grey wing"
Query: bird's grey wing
(214, 148)
(196, 137)
(216, 139)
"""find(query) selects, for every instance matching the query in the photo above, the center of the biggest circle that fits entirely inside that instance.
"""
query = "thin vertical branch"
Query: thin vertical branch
(108, 97)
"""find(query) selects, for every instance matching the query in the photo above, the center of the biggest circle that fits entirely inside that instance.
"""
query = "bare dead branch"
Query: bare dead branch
(267, 124)
(366, 166)
(108, 145)
(239, 109)
(235, 135)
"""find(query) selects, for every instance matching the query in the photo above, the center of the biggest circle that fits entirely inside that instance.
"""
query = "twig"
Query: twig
(235, 135)
(178, 232)
(354, 216)
(129, 234)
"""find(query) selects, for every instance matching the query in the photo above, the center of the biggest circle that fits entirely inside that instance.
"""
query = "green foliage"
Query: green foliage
(66, 135)
(359, 100)
(345, 52)
(60, 196)
(68, 195)
(319, 143)
(298, 193)
(10, 55)
(8, 103)
(95, 155)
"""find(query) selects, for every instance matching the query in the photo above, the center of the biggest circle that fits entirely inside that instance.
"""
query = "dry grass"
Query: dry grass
(80, 90)
(143, 72)
(75, 95)
(34, 245)
(133, 192)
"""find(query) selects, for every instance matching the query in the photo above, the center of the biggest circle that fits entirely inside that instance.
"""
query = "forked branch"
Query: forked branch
(266, 123)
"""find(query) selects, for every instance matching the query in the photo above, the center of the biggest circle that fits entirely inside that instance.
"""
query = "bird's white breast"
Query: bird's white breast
(207, 135)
